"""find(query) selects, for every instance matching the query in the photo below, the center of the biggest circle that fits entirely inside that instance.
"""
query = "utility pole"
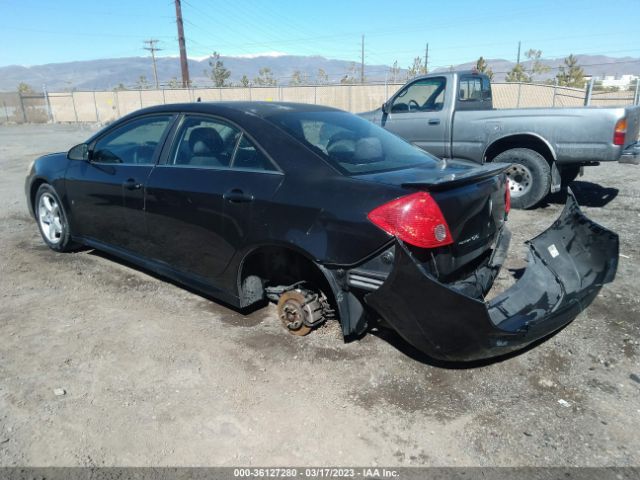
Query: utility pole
(362, 62)
(518, 62)
(426, 59)
(183, 50)
(153, 49)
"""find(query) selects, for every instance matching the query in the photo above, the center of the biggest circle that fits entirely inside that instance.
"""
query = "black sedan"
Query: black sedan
(324, 213)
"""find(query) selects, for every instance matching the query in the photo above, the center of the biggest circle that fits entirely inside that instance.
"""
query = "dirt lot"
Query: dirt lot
(157, 375)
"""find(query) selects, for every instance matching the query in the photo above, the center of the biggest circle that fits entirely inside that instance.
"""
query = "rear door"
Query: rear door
(107, 191)
(204, 201)
(417, 113)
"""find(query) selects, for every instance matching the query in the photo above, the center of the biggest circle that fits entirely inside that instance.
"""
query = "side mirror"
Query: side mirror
(79, 152)
(386, 108)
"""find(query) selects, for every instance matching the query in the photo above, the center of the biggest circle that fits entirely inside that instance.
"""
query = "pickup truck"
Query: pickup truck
(451, 115)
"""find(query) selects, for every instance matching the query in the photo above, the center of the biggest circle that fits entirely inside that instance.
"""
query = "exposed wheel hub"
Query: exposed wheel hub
(300, 310)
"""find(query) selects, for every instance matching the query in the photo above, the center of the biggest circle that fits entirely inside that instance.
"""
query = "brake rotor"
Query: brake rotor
(293, 310)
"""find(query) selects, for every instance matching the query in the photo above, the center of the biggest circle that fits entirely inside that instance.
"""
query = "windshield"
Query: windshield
(350, 143)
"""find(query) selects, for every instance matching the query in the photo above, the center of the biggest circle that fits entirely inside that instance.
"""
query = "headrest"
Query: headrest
(205, 140)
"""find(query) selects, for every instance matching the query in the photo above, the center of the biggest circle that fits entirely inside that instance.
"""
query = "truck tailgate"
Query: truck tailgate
(633, 125)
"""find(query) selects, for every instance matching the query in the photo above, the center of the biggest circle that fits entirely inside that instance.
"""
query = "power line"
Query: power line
(153, 49)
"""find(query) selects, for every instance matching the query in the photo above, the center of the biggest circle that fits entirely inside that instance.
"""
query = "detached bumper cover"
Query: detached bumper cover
(567, 266)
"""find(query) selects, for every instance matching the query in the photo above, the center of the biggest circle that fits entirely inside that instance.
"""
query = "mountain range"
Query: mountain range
(106, 74)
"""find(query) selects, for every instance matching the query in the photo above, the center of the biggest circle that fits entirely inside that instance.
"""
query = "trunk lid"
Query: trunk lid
(472, 200)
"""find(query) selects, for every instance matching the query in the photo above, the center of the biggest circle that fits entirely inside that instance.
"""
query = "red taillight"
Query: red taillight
(507, 199)
(415, 219)
(620, 132)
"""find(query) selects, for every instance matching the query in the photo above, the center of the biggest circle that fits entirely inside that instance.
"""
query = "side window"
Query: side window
(470, 89)
(249, 157)
(204, 142)
(133, 143)
(421, 96)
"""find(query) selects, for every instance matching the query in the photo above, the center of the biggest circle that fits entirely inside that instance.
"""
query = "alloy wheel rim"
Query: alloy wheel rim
(520, 180)
(50, 218)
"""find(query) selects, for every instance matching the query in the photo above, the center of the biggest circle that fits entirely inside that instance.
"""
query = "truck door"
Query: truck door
(417, 113)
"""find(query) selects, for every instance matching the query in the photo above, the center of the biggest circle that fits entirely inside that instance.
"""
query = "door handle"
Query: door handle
(131, 184)
(434, 121)
(237, 196)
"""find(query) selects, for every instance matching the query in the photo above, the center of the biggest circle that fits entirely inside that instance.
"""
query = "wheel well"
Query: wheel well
(519, 141)
(32, 193)
(276, 265)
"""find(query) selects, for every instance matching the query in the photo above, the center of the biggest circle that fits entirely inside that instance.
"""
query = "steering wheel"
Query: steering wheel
(413, 102)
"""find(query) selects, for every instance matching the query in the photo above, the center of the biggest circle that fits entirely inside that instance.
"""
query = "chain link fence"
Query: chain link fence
(107, 106)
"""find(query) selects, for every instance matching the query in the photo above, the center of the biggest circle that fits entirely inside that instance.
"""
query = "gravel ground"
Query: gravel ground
(153, 374)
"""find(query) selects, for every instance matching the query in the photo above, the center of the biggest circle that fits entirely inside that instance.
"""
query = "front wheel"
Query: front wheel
(52, 220)
(529, 176)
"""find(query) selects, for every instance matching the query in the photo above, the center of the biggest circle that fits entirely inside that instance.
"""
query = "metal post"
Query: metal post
(140, 97)
(164, 99)
(588, 92)
(24, 112)
(555, 89)
(315, 94)
(519, 91)
(117, 103)
(249, 92)
(46, 101)
(6, 110)
(636, 96)
(95, 105)
(73, 102)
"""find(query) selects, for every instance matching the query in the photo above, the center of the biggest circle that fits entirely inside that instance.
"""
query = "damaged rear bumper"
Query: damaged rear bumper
(567, 266)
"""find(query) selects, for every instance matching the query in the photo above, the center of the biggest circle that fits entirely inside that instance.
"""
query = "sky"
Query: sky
(34, 32)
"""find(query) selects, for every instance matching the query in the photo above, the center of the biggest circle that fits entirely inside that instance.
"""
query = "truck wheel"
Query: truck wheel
(529, 176)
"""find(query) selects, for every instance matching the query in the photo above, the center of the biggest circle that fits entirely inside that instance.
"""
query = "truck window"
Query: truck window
(474, 93)
(426, 95)
(470, 89)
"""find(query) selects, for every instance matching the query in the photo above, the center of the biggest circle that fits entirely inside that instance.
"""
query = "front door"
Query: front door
(106, 193)
(417, 113)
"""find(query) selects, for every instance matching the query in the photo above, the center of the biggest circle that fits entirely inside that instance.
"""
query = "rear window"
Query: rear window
(350, 143)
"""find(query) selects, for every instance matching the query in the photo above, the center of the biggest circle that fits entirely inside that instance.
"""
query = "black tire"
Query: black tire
(60, 241)
(529, 175)
(569, 174)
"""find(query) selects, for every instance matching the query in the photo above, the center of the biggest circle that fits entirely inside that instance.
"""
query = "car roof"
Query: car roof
(257, 108)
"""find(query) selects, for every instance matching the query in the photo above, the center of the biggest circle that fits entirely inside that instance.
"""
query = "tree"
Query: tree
(265, 78)
(394, 71)
(417, 68)
(483, 67)
(321, 77)
(120, 87)
(218, 73)
(174, 83)
(351, 75)
(24, 88)
(142, 83)
(299, 78)
(518, 74)
(571, 74)
(537, 66)
(244, 81)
